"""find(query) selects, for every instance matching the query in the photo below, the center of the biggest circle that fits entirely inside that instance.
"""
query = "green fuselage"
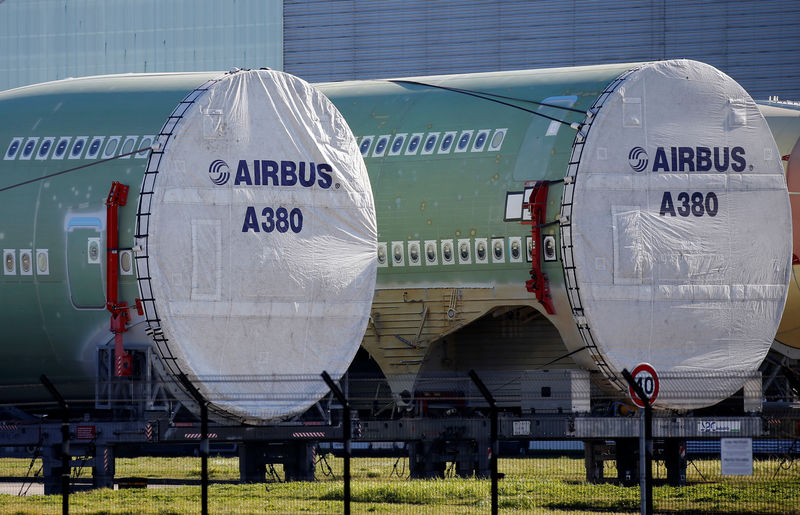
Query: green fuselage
(466, 187)
(460, 193)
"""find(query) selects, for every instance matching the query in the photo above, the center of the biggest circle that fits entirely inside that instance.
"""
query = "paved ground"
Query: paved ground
(24, 488)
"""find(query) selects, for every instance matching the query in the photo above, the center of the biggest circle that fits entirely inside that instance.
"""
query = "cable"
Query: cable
(488, 96)
(397, 471)
(148, 149)
(470, 91)
(554, 106)
(564, 356)
(326, 468)
(274, 473)
(698, 470)
(788, 460)
(540, 226)
(34, 457)
(30, 483)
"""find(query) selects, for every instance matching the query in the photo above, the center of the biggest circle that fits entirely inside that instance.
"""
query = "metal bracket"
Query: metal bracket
(538, 283)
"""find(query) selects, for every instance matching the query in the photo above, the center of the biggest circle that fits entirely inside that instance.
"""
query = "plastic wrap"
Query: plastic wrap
(680, 231)
(260, 242)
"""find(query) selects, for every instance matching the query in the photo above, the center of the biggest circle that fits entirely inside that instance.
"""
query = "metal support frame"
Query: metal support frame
(674, 455)
(104, 467)
(442, 438)
(65, 458)
(459, 439)
(117, 197)
(538, 283)
(140, 393)
(428, 457)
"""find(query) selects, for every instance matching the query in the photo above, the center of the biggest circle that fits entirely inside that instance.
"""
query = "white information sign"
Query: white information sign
(521, 427)
(737, 456)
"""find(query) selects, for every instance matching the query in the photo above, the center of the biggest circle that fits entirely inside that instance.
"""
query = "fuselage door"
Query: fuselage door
(85, 260)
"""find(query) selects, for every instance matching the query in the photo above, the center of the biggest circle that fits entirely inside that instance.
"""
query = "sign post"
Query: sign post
(643, 387)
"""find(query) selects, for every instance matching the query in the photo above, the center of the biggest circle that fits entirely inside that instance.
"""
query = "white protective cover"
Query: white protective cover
(697, 296)
(255, 315)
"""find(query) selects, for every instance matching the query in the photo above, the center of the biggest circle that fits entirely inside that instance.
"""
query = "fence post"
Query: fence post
(204, 458)
(346, 437)
(198, 397)
(492, 435)
(65, 458)
(645, 447)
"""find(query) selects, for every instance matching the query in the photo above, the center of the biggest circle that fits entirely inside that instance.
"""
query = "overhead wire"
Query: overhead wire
(493, 97)
(81, 167)
(565, 356)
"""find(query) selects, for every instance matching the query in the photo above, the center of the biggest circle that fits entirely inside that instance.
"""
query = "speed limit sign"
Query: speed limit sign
(645, 376)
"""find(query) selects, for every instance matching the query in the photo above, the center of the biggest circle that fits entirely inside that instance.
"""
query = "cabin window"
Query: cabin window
(13, 148)
(480, 140)
(61, 148)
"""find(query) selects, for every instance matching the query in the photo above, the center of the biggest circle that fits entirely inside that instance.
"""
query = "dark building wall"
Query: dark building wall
(757, 42)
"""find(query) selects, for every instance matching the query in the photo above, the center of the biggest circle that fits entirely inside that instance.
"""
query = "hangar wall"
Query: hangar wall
(754, 41)
(43, 40)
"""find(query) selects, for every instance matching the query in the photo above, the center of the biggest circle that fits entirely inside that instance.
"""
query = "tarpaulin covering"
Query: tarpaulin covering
(261, 243)
(680, 230)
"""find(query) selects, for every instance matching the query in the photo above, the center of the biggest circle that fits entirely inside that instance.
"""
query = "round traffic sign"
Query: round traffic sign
(645, 376)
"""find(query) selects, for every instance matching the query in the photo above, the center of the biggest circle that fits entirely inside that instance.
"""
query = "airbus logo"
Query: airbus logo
(218, 172)
(689, 159)
(637, 158)
(265, 172)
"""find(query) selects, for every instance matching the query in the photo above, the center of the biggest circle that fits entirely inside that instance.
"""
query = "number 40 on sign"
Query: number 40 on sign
(645, 376)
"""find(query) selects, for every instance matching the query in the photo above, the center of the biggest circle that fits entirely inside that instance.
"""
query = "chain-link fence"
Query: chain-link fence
(562, 445)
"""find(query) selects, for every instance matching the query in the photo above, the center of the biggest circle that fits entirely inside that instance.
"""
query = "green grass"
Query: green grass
(541, 485)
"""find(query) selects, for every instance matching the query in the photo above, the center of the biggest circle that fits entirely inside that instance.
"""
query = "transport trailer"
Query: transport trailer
(432, 440)
(431, 443)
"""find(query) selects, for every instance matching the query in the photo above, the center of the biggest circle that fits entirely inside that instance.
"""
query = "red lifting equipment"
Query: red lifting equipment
(538, 284)
(123, 362)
